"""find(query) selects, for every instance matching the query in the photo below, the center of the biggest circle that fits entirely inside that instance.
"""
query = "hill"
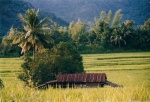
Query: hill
(9, 10)
(86, 10)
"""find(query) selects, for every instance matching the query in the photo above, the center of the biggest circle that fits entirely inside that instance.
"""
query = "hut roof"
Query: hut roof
(84, 77)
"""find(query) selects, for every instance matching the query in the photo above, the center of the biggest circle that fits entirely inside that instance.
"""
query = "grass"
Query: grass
(24, 94)
(128, 69)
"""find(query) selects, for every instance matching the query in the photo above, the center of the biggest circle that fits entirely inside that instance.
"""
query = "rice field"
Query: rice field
(128, 69)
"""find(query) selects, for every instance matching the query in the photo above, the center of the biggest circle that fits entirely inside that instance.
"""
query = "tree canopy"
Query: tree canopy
(62, 58)
(33, 33)
(99, 36)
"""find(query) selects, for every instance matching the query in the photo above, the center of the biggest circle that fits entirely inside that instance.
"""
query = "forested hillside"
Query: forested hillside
(86, 10)
(9, 10)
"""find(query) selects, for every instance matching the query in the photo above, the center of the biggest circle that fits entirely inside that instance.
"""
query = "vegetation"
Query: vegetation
(13, 8)
(106, 34)
(1, 84)
(57, 51)
(7, 48)
(129, 69)
(62, 58)
(132, 67)
(74, 95)
(87, 10)
(33, 35)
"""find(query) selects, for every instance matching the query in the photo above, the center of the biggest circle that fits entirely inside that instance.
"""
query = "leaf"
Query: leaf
(43, 22)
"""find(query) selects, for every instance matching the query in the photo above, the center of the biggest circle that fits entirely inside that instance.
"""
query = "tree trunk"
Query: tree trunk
(34, 52)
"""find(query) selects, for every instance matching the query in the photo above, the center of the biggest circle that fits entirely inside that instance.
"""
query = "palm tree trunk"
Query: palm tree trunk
(34, 52)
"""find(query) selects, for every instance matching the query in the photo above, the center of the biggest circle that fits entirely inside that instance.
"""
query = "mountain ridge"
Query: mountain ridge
(86, 10)
(9, 10)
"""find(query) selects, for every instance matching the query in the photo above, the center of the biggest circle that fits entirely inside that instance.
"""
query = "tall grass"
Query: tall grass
(17, 93)
(128, 69)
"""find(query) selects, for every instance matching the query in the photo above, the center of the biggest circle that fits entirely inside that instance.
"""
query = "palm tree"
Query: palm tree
(117, 37)
(33, 35)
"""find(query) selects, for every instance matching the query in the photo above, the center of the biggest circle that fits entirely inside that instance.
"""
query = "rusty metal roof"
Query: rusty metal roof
(83, 77)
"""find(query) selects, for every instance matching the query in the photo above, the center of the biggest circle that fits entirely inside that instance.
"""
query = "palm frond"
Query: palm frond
(31, 39)
(37, 12)
(47, 38)
(24, 21)
(42, 30)
(28, 34)
(39, 46)
(32, 17)
(44, 22)
(34, 34)
(17, 39)
(25, 47)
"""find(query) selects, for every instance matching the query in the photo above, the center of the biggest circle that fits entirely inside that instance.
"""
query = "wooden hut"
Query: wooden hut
(80, 80)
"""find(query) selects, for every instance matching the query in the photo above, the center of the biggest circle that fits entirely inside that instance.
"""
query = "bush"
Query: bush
(62, 58)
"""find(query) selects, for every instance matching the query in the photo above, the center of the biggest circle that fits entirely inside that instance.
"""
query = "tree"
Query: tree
(117, 37)
(7, 48)
(122, 35)
(59, 34)
(128, 31)
(34, 34)
(117, 18)
(62, 58)
(7, 42)
(103, 28)
(91, 37)
(101, 33)
(76, 30)
(139, 41)
(107, 18)
(146, 27)
(111, 20)
(142, 36)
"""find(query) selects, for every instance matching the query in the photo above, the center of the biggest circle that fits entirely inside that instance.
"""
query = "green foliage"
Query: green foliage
(106, 34)
(76, 30)
(141, 38)
(122, 35)
(34, 34)
(136, 10)
(99, 35)
(107, 18)
(1, 84)
(59, 34)
(67, 55)
(7, 49)
(9, 10)
(117, 18)
(62, 58)
(111, 20)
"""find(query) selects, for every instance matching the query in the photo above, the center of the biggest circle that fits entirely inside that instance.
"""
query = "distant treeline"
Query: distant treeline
(106, 34)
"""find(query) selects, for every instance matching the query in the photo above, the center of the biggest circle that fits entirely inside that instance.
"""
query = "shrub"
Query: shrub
(62, 58)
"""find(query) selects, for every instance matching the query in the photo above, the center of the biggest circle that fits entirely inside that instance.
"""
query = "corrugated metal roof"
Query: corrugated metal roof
(84, 77)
